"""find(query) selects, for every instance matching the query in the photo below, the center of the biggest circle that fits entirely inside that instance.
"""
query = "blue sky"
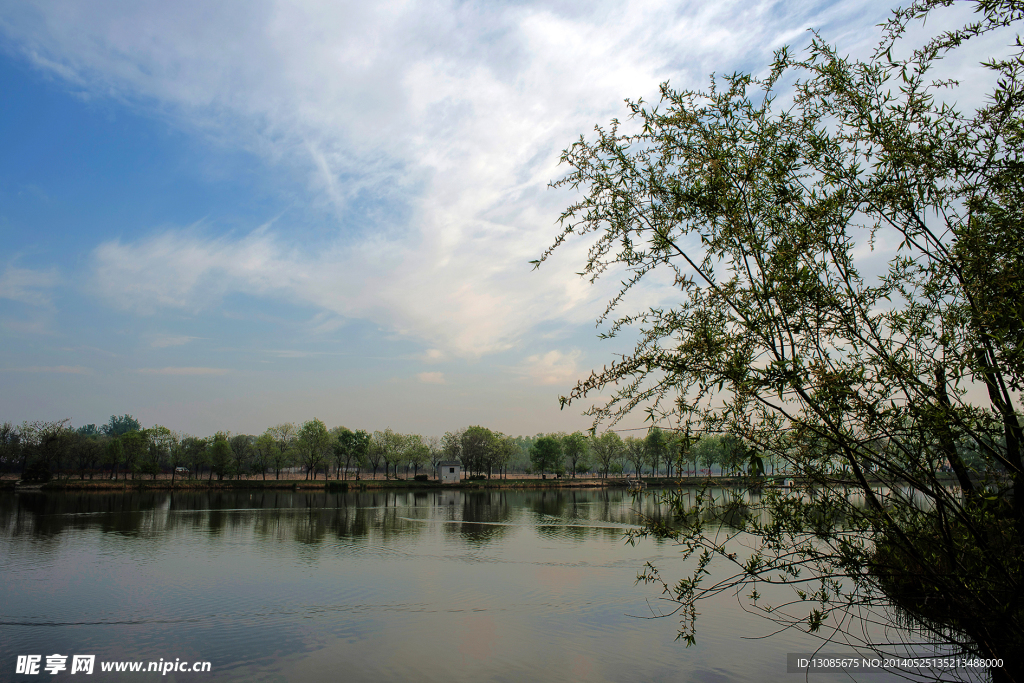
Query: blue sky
(230, 215)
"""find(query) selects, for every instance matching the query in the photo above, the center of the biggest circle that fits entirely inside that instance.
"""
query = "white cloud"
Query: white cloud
(165, 340)
(449, 115)
(182, 371)
(553, 367)
(431, 356)
(431, 378)
(28, 286)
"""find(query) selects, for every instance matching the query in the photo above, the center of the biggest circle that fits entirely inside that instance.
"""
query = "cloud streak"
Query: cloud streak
(58, 369)
(28, 286)
(426, 131)
(189, 372)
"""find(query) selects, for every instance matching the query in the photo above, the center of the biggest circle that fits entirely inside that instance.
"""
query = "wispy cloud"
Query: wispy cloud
(164, 341)
(469, 312)
(59, 369)
(182, 371)
(553, 367)
(28, 286)
(431, 378)
(428, 130)
(432, 356)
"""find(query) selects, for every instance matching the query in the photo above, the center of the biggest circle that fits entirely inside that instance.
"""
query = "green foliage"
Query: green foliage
(655, 449)
(635, 453)
(313, 444)
(416, 453)
(242, 453)
(265, 451)
(221, 462)
(119, 425)
(576, 448)
(477, 446)
(385, 447)
(10, 446)
(284, 456)
(779, 335)
(196, 453)
(114, 455)
(546, 455)
(135, 445)
(608, 451)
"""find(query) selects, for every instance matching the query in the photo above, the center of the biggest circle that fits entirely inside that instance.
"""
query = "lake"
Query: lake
(479, 585)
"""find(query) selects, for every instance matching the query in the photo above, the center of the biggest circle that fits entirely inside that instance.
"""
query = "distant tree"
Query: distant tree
(89, 430)
(89, 454)
(656, 447)
(387, 448)
(284, 455)
(118, 426)
(57, 441)
(521, 458)
(436, 451)
(417, 453)
(349, 448)
(375, 451)
(150, 461)
(607, 449)
(242, 452)
(10, 446)
(314, 443)
(361, 444)
(636, 453)
(546, 455)
(451, 445)
(114, 457)
(671, 455)
(177, 453)
(197, 454)
(505, 450)
(576, 449)
(49, 444)
(707, 451)
(136, 447)
(477, 449)
(341, 450)
(285, 433)
(264, 450)
(221, 461)
(161, 442)
(733, 453)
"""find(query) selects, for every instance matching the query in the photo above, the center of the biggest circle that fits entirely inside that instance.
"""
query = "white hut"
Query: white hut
(449, 471)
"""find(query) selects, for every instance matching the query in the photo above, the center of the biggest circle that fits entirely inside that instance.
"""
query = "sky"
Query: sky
(223, 216)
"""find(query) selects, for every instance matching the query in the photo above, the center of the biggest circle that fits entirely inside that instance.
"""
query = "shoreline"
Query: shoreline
(340, 486)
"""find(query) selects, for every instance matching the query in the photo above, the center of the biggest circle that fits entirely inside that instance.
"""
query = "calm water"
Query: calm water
(438, 586)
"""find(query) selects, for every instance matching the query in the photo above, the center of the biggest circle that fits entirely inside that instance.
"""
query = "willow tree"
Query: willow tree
(845, 243)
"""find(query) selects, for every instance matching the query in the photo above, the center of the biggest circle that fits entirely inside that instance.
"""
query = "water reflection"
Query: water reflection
(387, 585)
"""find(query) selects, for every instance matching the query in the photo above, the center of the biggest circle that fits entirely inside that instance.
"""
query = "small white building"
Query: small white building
(449, 471)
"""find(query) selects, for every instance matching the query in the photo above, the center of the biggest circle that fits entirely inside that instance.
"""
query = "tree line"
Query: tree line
(122, 448)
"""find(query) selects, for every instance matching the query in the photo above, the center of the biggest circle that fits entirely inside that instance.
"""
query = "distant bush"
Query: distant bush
(477, 477)
(37, 472)
(422, 477)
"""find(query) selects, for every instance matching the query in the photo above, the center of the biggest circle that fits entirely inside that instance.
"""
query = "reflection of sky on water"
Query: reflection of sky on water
(439, 585)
